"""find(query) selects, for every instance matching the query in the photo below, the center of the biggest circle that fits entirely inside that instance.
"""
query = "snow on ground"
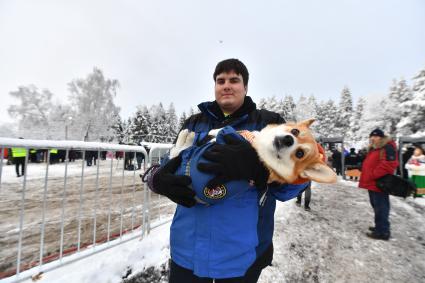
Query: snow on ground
(326, 244)
(112, 265)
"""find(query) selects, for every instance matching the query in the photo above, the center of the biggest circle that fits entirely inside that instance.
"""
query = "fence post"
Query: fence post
(22, 213)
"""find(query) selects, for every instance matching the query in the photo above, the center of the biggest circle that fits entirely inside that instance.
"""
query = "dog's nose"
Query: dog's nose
(283, 141)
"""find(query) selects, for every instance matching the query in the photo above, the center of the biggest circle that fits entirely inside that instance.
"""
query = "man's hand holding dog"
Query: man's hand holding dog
(236, 160)
(175, 187)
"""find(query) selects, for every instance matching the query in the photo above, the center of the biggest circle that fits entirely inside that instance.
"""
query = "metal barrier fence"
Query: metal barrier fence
(72, 206)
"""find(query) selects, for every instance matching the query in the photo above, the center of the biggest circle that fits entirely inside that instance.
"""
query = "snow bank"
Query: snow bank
(110, 266)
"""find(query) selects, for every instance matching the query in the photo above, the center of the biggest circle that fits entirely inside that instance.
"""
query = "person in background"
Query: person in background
(139, 157)
(18, 155)
(407, 154)
(351, 161)
(336, 161)
(381, 159)
(416, 169)
(307, 198)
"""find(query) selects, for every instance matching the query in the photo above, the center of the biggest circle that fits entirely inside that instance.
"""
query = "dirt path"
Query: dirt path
(123, 197)
(328, 244)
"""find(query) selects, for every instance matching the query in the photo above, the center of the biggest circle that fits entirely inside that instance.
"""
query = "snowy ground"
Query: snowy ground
(121, 197)
(327, 244)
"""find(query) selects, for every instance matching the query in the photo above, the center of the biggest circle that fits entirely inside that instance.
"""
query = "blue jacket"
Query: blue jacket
(224, 238)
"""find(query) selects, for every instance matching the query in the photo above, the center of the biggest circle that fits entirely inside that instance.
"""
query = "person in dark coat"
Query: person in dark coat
(307, 198)
(139, 157)
(381, 159)
(336, 161)
(352, 161)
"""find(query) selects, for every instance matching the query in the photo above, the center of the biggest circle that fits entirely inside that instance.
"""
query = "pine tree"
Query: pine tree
(414, 121)
(289, 108)
(345, 111)
(305, 108)
(142, 123)
(158, 130)
(182, 120)
(118, 129)
(398, 94)
(357, 118)
(171, 124)
(325, 119)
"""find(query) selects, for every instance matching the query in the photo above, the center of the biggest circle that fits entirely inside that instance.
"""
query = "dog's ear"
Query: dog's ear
(320, 173)
(307, 123)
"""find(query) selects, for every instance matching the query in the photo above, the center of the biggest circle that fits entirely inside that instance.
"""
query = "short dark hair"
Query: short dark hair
(235, 65)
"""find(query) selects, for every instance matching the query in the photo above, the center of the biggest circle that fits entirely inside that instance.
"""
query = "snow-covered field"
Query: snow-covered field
(124, 197)
(327, 244)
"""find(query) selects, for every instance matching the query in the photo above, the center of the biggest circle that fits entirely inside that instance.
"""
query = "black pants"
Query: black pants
(19, 161)
(307, 196)
(381, 206)
(179, 274)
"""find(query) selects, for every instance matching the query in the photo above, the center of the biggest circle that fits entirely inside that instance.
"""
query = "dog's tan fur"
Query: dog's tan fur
(283, 165)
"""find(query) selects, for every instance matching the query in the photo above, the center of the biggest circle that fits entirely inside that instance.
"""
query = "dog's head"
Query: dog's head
(291, 153)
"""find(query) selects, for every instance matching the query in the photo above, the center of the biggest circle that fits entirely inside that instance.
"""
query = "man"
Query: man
(380, 160)
(307, 198)
(19, 154)
(336, 161)
(230, 241)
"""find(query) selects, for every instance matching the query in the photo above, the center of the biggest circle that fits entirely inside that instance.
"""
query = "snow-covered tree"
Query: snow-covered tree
(7, 130)
(305, 108)
(325, 119)
(413, 121)
(158, 129)
(119, 129)
(289, 108)
(345, 112)
(92, 99)
(357, 119)
(143, 123)
(171, 123)
(33, 111)
(262, 104)
(182, 119)
(398, 94)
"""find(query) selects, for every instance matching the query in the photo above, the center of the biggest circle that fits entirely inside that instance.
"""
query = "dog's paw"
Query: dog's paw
(214, 132)
(184, 140)
(189, 139)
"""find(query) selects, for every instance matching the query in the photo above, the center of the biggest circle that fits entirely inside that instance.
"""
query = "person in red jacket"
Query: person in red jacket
(380, 160)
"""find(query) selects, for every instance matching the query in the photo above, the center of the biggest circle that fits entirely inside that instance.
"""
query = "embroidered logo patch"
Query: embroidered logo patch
(215, 193)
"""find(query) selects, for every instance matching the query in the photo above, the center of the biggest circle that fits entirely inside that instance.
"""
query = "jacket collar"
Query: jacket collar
(381, 144)
(211, 108)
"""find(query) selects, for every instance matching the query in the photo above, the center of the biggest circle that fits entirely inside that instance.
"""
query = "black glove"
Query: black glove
(175, 187)
(237, 160)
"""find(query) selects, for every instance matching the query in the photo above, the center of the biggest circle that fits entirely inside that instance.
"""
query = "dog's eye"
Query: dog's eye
(295, 132)
(299, 153)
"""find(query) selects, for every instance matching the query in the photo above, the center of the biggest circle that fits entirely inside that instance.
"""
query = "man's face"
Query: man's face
(229, 91)
(375, 140)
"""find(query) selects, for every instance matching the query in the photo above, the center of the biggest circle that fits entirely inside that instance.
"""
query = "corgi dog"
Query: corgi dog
(289, 151)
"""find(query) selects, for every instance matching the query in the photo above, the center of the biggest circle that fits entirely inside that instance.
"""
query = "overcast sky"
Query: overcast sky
(166, 51)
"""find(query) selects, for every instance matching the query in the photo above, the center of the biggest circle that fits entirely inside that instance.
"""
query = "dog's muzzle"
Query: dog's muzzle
(283, 141)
